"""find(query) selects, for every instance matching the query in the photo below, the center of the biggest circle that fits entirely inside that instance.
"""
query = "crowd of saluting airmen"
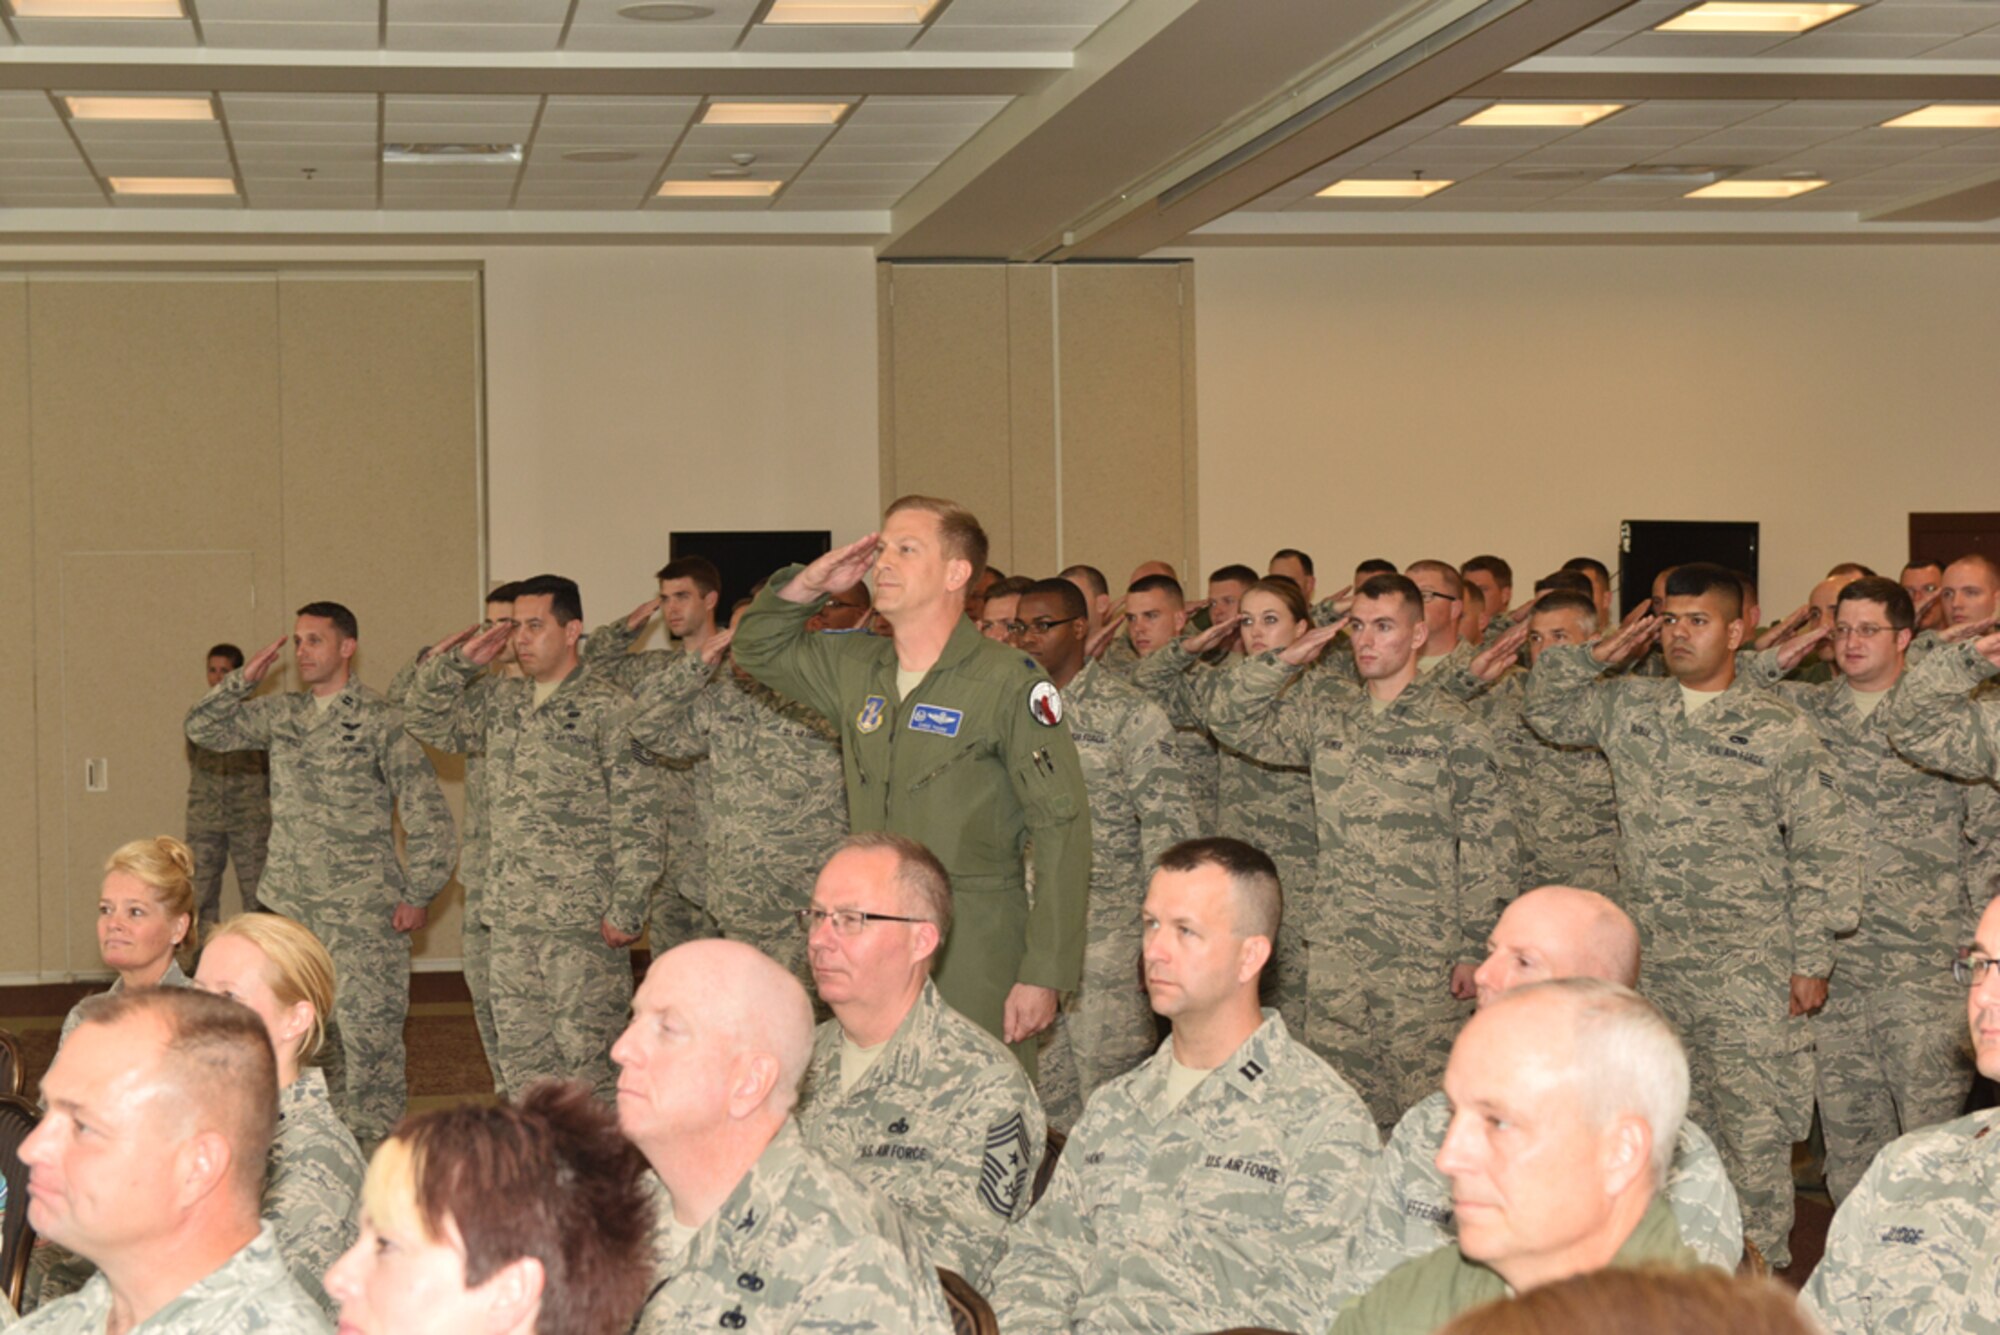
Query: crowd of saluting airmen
(972, 971)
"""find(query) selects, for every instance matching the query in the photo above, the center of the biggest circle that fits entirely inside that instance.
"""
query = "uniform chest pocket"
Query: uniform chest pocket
(1235, 1184)
(938, 769)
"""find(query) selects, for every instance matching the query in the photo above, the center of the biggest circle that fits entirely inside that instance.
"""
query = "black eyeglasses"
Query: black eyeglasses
(1042, 625)
(1969, 970)
(848, 922)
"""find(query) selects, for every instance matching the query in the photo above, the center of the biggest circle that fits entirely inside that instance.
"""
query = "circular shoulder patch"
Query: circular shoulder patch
(1045, 704)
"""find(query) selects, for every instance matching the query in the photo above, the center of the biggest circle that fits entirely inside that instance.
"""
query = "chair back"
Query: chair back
(13, 1071)
(970, 1313)
(18, 1117)
(1047, 1171)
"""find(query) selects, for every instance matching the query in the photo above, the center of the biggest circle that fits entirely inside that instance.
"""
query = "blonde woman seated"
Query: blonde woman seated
(312, 1191)
(145, 909)
(521, 1219)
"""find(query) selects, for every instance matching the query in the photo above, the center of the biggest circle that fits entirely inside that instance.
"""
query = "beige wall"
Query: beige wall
(1437, 401)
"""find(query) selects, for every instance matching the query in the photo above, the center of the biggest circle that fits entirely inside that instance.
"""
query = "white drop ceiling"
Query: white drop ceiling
(1014, 129)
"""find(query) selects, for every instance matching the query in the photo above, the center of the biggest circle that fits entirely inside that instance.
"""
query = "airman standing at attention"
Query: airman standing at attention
(228, 810)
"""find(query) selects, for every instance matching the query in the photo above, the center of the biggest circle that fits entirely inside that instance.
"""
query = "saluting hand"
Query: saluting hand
(841, 568)
(1988, 647)
(1341, 600)
(1785, 629)
(1793, 652)
(1971, 630)
(484, 647)
(643, 613)
(451, 642)
(258, 667)
(1492, 662)
(1309, 646)
(1101, 638)
(1516, 613)
(1631, 641)
(716, 645)
(1639, 609)
(1217, 635)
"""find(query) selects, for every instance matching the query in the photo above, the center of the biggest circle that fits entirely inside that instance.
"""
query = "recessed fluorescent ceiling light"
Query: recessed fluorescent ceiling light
(1740, 189)
(849, 11)
(97, 9)
(1947, 116)
(1727, 16)
(431, 155)
(173, 185)
(1358, 189)
(774, 113)
(140, 108)
(719, 189)
(1543, 113)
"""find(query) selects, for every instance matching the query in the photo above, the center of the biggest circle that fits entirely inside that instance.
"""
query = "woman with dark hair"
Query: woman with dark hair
(521, 1219)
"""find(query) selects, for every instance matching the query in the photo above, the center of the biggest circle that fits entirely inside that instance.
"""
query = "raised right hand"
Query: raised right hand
(258, 667)
(1988, 647)
(841, 568)
(716, 645)
(1632, 640)
(1308, 647)
(484, 647)
(1101, 638)
(1793, 652)
(643, 613)
(1784, 630)
(1214, 637)
(451, 641)
(1492, 662)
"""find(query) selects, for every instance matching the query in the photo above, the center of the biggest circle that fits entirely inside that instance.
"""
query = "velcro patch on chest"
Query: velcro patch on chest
(936, 719)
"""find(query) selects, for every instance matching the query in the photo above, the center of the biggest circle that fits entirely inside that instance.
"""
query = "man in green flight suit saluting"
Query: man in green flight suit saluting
(953, 740)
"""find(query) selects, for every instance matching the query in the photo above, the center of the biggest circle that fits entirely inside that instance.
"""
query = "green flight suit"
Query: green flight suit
(977, 765)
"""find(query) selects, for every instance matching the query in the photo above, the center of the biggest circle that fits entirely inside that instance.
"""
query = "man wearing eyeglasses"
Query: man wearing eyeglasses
(904, 1092)
(1890, 1057)
(1443, 590)
(1140, 806)
(1911, 1248)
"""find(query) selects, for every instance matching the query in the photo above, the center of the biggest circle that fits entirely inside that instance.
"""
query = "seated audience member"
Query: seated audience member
(763, 1233)
(145, 910)
(1566, 1103)
(149, 1164)
(1911, 1248)
(1552, 932)
(903, 1092)
(1643, 1301)
(278, 968)
(1218, 1184)
(529, 1218)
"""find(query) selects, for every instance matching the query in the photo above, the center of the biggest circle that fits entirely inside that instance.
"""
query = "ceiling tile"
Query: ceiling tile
(294, 36)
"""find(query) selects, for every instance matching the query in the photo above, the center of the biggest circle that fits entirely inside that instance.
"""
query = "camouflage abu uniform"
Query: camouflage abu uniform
(799, 1246)
(1191, 741)
(250, 1294)
(338, 776)
(1946, 717)
(1268, 806)
(1416, 858)
(1235, 1208)
(475, 937)
(1913, 1250)
(228, 813)
(574, 842)
(1140, 806)
(776, 808)
(1891, 1043)
(175, 976)
(677, 911)
(1738, 866)
(312, 1190)
(944, 1125)
(1410, 1209)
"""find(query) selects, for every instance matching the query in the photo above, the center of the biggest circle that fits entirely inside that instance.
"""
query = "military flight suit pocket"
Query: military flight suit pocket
(1048, 798)
(938, 771)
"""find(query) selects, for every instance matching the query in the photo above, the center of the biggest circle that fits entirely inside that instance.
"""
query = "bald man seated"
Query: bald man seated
(149, 1163)
(1566, 1102)
(1553, 932)
(762, 1234)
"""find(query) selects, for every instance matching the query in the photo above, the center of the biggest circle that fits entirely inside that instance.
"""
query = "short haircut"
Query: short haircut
(1646, 1300)
(1286, 590)
(1588, 566)
(504, 593)
(1444, 570)
(1503, 574)
(700, 569)
(342, 619)
(1748, 585)
(1914, 564)
(1896, 602)
(1234, 574)
(1100, 587)
(164, 865)
(226, 651)
(1074, 604)
(1567, 600)
(549, 1178)
(1699, 579)
(1566, 581)
(1253, 879)
(1625, 1058)
(1983, 561)
(1158, 584)
(1292, 554)
(218, 1055)
(296, 968)
(565, 601)
(1010, 586)
(1394, 586)
(1474, 596)
(995, 573)
(1854, 568)
(1375, 565)
(919, 875)
(958, 527)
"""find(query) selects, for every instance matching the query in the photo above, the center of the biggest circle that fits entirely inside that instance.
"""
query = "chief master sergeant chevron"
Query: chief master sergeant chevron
(954, 740)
